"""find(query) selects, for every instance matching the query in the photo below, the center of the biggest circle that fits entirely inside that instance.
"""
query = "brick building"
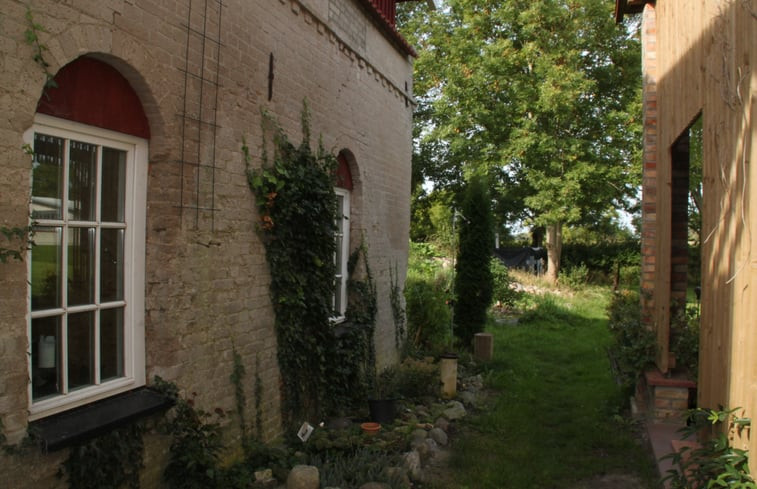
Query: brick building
(164, 271)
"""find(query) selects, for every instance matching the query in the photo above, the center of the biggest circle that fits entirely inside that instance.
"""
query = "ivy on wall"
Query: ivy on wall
(353, 369)
(324, 366)
(297, 207)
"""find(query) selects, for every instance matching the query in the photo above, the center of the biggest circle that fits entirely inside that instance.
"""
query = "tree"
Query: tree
(542, 95)
(473, 278)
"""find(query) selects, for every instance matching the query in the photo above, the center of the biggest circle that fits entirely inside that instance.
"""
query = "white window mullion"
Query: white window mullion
(64, 270)
(98, 237)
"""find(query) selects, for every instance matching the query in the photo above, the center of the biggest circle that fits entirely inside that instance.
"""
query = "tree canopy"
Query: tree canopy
(543, 95)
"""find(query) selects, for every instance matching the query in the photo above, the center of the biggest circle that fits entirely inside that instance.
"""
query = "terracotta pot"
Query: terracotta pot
(370, 428)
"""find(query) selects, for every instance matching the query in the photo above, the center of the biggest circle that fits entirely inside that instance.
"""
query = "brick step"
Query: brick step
(666, 397)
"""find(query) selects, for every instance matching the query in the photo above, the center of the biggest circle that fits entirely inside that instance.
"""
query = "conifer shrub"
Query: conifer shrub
(473, 280)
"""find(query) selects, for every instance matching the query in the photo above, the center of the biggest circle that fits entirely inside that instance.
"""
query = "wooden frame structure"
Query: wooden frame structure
(698, 59)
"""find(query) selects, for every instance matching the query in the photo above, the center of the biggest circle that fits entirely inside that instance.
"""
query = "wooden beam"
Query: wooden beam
(629, 7)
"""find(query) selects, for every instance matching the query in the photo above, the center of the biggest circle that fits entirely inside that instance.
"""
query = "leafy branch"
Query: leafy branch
(716, 462)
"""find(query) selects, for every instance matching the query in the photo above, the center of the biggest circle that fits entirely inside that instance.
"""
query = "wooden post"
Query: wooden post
(483, 346)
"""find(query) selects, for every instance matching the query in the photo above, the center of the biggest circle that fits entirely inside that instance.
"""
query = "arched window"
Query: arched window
(86, 273)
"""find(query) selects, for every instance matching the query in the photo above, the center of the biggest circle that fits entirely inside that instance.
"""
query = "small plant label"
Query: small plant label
(305, 431)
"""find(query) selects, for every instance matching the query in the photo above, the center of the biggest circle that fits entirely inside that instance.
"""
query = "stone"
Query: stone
(422, 412)
(442, 423)
(413, 465)
(303, 477)
(432, 447)
(439, 436)
(264, 478)
(398, 476)
(375, 485)
(418, 434)
(474, 383)
(468, 398)
(455, 410)
(420, 447)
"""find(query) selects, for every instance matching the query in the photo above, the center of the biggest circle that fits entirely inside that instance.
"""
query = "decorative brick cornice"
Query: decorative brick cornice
(322, 28)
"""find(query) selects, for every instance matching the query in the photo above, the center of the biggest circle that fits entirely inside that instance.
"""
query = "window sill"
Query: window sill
(77, 425)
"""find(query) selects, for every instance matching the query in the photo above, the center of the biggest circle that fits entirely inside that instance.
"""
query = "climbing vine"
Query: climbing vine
(398, 309)
(32, 38)
(237, 377)
(297, 207)
(326, 366)
(258, 399)
(354, 353)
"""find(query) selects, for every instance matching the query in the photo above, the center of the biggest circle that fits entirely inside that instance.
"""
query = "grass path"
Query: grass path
(553, 419)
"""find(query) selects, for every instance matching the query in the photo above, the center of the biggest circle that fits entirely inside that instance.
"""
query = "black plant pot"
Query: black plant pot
(382, 410)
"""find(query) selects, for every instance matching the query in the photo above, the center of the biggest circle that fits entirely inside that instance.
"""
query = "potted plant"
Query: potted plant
(381, 404)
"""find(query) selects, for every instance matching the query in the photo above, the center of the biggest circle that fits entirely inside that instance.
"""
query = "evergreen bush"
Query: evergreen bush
(473, 280)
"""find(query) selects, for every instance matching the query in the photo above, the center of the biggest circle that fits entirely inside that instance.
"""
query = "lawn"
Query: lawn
(555, 417)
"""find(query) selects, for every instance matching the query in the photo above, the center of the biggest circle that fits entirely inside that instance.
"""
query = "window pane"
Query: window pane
(45, 269)
(113, 185)
(81, 260)
(338, 309)
(47, 175)
(80, 351)
(111, 343)
(111, 265)
(45, 357)
(81, 181)
(339, 214)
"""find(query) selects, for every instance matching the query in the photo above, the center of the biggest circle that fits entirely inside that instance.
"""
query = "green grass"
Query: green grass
(554, 419)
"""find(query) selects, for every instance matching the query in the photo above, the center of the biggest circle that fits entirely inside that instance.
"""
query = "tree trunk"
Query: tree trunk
(554, 250)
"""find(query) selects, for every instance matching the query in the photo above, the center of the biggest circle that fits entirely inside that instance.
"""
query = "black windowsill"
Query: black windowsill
(80, 424)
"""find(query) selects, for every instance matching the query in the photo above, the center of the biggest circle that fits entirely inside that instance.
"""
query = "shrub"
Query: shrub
(603, 259)
(634, 346)
(428, 315)
(473, 279)
(630, 275)
(501, 280)
(417, 378)
(685, 338)
(195, 447)
(575, 277)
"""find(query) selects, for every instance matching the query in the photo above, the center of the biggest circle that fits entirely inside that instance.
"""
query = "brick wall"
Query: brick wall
(649, 172)
(203, 78)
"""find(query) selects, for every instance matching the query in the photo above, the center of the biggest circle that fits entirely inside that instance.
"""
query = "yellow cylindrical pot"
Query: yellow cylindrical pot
(448, 367)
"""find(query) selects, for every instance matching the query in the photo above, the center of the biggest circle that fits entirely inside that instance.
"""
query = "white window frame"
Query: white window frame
(341, 277)
(134, 266)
